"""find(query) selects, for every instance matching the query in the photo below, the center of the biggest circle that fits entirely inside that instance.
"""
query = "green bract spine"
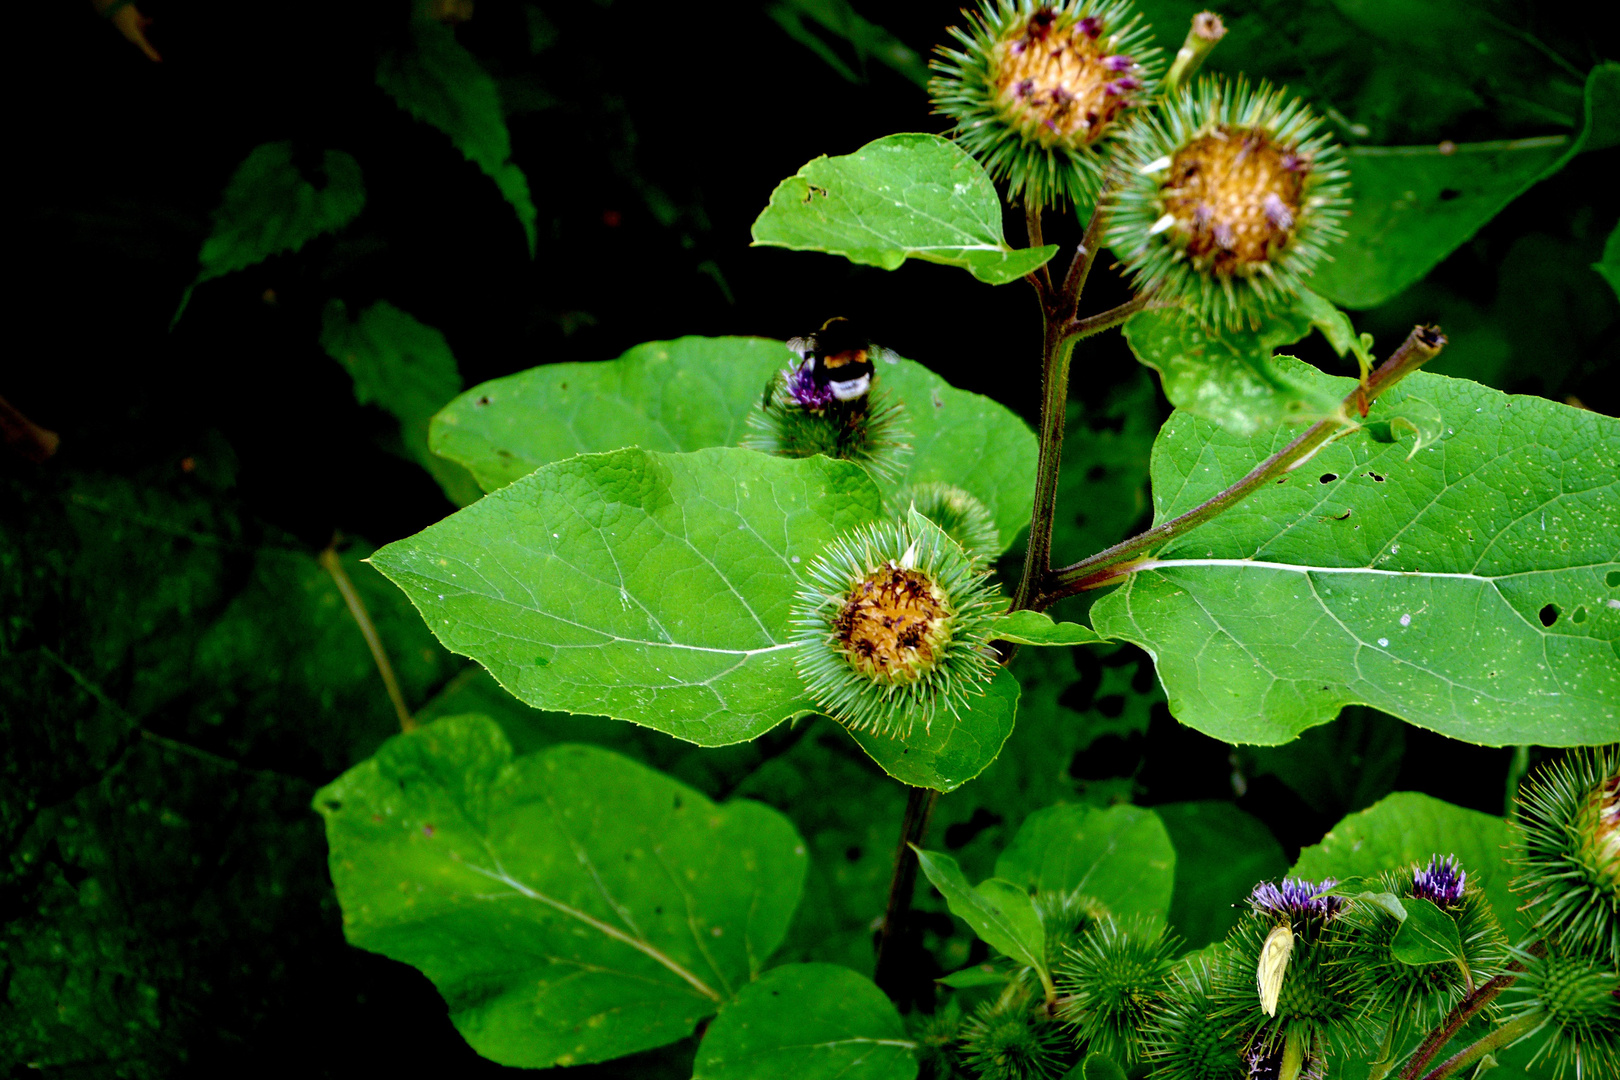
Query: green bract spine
(1576, 999)
(1228, 199)
(964, 518)
(893, 625)
(1040, 93)
(1112, 982)
(1420, 995)
(1184, 1039)
(1570, 868)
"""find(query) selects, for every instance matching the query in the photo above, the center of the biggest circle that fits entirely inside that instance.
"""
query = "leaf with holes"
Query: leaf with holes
(1473, 590)
(649, 587)
(903, 196)
(810, 1022)
(570, 905)
(1121, 856)
(697, 392)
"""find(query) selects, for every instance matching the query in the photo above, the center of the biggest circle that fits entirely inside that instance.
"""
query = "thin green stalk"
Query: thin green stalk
(357, 607)
(1509, 1033)
(1422, 345)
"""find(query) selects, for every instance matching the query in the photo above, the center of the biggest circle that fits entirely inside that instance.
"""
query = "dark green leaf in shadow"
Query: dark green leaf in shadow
(1221, 854)
(570, 905)
(808, 1022)
(1408, 827)
(1427, 935)
(654, 588)
(1121, 856)
(1414, 205)
(953, 749)
(406, 368)
(839, 19)
(1099, 1067)
(903, 196)
(977, 975)
(441, 84)
(1610, 266)
(276, 203)
(1335, 768)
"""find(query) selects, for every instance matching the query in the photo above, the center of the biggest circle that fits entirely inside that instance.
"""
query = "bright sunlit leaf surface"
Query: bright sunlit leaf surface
(698, 392)
(570, 905)
(809, 1022)
(649, 587)
(1121, 856)
(1473, 590)
(913, 196)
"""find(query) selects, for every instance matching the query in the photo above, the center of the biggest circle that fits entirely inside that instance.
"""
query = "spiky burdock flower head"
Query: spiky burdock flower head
(1290, 976)
(1229, 197)
(893, 625)
(964, 518)
(937, 1036)
(1184, 1039)
(1039, 92)
(828, 404)
(1570, 814)
(1112, 981)
(1573, 1001)
(1420, 995)
(1305, 905)
(1011, 1039)
(1442, 882)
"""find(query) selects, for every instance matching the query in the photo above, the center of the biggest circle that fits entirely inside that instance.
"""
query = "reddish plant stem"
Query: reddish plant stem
(1422, 345)
(1465, 1011)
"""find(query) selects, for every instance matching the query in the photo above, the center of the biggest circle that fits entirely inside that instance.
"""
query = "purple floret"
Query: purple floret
(802, 388)
(1442, 881)
(1296, 897)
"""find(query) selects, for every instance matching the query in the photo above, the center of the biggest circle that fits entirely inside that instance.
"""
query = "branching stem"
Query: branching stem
(1508, 1033)
(1422, 345)
(1465, 1011)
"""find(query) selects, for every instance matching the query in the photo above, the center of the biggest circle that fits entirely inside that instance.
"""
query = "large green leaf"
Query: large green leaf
(571, 905)
(911, 196)
(1121, 856)
(953, 749)
(1408, 827)
(867, 39)
(999, 911)
(648, 587)
(1471, 590)
(275, 203)
(810, 1022)
(697, 392)
(1221, 854)
(406, 368)
(440, 83)
(1414, 205)
(1230, 376)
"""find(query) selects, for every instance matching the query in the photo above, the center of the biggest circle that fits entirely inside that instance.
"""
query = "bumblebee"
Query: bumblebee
(837, 364)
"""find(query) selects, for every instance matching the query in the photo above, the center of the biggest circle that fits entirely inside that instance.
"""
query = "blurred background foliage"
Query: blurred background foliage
(178, 671)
